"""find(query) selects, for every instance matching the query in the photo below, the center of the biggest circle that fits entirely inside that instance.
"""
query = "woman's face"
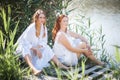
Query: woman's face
(42, 18)
(64, 22)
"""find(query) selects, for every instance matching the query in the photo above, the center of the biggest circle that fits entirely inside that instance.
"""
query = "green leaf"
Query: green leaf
(89, 22)
(12, 35)
(83, 69)
(117, 54)
(9, 10)
(70, 11)
(1, 38)
(4, 20)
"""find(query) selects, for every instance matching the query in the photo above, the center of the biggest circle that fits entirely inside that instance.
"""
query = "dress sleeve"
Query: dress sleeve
(26, 43)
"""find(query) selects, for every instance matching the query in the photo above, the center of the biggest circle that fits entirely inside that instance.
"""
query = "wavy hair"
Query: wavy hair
(56, 27)
(35, 19)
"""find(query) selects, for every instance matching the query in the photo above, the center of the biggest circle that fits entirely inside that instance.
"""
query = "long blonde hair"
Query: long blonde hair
(35, 19)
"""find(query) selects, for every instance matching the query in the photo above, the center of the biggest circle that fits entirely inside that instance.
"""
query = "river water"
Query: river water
(101, 12)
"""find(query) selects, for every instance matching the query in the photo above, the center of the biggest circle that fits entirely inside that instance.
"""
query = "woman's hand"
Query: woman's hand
(85, 50)
(37, 52)
(39, 46)
(89, 48)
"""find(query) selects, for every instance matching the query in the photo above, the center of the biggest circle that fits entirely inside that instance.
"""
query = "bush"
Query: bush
(9, 63)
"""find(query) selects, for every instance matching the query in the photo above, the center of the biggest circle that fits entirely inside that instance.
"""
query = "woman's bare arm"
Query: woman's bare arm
(64, 41)
(36, 51)
(75, 35)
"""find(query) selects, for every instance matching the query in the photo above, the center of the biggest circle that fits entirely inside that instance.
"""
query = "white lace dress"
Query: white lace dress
(66, 56)
(28, 40)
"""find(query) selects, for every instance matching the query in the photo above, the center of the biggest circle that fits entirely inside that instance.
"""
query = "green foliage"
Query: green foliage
(72, 74)
(7, 35)
(117, 54)
(58, 72)
(10, 67)
(9, 63)
(83, 69)
(115, 62)
(53, 70)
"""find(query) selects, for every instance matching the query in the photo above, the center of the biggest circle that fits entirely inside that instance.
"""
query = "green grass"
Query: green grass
(65, 74)
(115, 63)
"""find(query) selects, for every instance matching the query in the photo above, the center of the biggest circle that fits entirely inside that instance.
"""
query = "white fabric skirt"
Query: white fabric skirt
(47, 55)
(66, 56)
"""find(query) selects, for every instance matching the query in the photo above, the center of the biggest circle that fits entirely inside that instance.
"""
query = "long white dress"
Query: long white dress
(66, 56)
(28, 40)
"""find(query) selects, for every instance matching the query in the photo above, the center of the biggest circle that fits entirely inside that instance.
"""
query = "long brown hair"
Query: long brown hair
(57, 26)
(35, 19)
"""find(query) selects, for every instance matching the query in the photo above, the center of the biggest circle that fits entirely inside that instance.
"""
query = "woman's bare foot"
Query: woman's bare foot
(60, 65)
(36, 72)
(101, 64)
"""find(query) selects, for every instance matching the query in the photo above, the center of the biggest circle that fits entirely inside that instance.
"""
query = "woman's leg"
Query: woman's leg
(28, 60)
(89, 54)
(58, 63)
